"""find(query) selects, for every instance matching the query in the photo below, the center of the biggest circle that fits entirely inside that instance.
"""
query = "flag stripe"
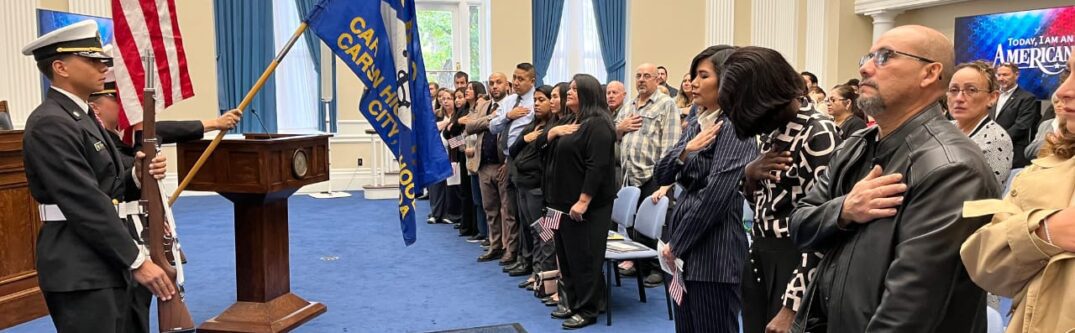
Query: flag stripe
(186, 88)
(149, 9)
(141, 25)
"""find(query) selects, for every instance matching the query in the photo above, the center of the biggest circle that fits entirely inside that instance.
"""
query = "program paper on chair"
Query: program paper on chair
(258, 174)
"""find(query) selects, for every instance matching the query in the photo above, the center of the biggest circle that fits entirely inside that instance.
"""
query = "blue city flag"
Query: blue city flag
(379, 42)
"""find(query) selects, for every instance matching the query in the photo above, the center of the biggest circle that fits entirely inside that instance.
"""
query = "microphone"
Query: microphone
(263, 128)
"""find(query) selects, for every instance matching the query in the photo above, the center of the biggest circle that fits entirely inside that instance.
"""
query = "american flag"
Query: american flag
(142, 25)
(456, 141)
(550, 223)
(545, 233)
(677, 289)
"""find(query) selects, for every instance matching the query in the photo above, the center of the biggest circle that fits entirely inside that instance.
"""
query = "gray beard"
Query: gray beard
(871, 106)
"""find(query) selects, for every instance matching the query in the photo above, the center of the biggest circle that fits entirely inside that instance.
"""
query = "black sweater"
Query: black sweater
(580, 163)
(527, 162)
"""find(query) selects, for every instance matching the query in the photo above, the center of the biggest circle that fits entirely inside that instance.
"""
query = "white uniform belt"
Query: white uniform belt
(52, 213)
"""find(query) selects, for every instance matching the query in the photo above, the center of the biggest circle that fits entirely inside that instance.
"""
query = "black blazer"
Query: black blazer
(1019, 116)
(71, 162)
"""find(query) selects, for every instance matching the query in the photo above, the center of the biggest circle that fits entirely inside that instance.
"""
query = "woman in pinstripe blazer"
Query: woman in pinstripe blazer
(705, 230)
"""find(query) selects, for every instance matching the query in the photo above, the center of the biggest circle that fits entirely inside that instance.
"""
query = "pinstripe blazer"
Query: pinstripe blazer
(706, 229)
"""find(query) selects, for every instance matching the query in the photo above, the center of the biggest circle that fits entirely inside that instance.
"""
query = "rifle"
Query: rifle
(172, 315)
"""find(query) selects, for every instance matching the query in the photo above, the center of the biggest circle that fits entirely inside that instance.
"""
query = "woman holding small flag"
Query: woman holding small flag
(706, 230)
(578, 182)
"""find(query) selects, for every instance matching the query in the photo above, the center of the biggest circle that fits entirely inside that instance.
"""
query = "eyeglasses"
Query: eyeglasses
(646, 76)
(968, 91)
(881, 56)
(832, 100)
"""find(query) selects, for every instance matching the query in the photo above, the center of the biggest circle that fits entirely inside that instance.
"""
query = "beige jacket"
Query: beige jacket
(475, 131)
(1006, 258)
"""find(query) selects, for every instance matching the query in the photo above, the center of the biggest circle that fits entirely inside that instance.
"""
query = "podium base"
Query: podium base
(281, 314)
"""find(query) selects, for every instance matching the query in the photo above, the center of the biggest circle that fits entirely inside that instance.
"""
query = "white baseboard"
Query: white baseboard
(346, 180)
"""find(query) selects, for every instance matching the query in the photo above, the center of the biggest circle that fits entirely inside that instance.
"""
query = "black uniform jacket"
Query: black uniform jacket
(71, 162)
(904, 273)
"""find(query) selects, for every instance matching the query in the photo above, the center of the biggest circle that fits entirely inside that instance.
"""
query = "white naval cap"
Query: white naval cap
(81, 39)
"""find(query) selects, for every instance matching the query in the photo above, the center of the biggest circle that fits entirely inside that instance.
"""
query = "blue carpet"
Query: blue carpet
(348, 254)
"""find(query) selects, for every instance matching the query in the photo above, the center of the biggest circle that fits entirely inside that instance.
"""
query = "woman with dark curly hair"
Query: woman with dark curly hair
(762, 95)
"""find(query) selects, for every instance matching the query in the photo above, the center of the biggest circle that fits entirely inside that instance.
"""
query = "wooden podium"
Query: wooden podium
(20, 296)
(258, 174)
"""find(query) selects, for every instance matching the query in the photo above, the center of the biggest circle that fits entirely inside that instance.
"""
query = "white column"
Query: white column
(817, 40)
(21, 86)
(775, 25)
(883, 21)
(719, 22)
(102, 8)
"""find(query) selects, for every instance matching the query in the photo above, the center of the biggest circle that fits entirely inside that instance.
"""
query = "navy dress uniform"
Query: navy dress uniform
(84, 252)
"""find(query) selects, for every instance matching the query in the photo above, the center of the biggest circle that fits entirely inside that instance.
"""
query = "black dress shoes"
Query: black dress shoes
(520, 270)
(490, 256)
(562, 312)
(525, 283)
(507, 261)
(577, 322)
(548, 301)
(510, 267)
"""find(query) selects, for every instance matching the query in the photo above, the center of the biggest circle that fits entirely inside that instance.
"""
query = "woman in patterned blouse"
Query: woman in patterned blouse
(762, 95)
(971, 93)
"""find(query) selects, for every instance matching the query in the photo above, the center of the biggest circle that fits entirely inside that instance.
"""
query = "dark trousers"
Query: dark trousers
(708, 307)
(141, 298)
(479, 212)
(438, 204)
(528, 205)
(94, 310)
(580, 247)
(453, 203)
(468, 224)
(765, 278)
(646, 266)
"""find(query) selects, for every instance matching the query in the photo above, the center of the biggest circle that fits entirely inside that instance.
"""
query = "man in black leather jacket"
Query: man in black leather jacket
(887, 214)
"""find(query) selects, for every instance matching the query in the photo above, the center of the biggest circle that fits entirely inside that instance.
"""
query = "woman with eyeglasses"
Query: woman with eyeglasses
(844, 111)
(971, 93)
(763, 98)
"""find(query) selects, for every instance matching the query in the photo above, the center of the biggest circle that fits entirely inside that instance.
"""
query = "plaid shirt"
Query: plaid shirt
(660, 130)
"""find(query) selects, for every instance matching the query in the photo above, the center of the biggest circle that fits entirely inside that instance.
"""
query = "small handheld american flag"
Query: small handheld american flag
(550, 223)
(677, 288)
(456, 141)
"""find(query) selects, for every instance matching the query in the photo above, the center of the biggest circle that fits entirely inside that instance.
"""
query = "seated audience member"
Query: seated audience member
(1027, 252)
(970, 94)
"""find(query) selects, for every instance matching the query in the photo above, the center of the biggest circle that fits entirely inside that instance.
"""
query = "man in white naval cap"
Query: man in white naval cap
(87, 261)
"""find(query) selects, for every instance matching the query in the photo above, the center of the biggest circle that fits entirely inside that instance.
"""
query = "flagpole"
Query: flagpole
(242, 105)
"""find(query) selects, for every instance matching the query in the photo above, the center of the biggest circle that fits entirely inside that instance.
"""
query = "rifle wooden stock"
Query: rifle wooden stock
(172, 315)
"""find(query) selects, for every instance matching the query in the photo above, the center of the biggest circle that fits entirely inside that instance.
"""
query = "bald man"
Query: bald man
(887, 213)
(494, 187)
(648, 127)
(614, 95)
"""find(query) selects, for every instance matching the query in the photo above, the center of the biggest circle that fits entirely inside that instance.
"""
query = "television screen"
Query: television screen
(1038, 41)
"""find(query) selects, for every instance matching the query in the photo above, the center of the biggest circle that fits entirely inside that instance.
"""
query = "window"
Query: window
(297, 97)
(453, 35)
(576, 52)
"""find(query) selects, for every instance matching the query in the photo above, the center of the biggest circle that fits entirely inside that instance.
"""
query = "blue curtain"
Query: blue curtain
(611, 18)
(314, 45)
(244, 46)
(546, 26)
